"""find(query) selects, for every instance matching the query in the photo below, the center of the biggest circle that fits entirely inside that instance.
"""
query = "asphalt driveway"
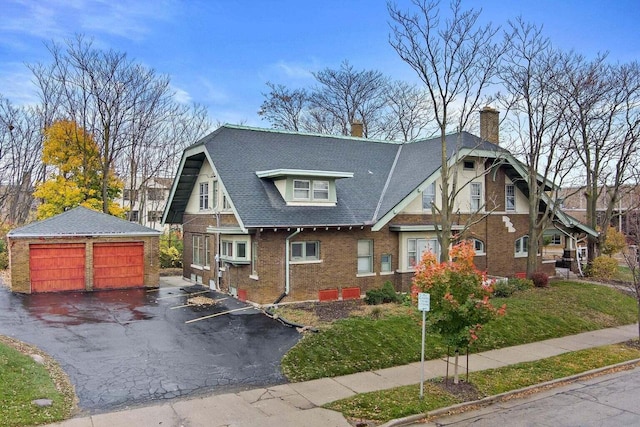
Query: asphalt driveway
(126, 348)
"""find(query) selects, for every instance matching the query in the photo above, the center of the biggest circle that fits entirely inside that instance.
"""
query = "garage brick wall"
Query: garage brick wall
(19, 258)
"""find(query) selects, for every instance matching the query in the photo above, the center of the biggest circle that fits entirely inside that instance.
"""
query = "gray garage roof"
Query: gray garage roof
(81, 221)
(384, 173)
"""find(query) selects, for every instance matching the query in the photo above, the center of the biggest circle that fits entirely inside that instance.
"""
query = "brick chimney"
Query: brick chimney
(357, 129)
(489, 125)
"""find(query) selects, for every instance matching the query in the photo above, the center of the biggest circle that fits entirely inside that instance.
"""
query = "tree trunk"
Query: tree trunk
(456, 379)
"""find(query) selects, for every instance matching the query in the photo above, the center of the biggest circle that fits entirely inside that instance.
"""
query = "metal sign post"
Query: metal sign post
(424, 304)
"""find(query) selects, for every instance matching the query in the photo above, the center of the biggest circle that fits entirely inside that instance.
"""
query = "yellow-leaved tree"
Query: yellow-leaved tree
(75, 173)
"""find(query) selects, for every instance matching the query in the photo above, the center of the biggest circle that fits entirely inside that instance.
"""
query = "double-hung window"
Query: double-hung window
(301, 189)
(476, 196)
(510, 197)
(200, 250)
(385, 263)
(226, 248)
(204, 196)
(305, 251)
(416, 247)
(429, 196)
(521, 246)
(320, 190)
(365, 256)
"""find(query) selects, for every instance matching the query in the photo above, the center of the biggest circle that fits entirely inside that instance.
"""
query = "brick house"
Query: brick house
(272, 214)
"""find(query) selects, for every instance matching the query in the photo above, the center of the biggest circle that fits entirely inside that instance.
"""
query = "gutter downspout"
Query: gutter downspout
(287, 284)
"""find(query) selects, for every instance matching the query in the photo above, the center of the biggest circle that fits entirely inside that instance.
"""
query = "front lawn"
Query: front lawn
(379, 341)
(22, 380)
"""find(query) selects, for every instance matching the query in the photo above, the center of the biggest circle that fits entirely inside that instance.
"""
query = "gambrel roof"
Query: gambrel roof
(384, 173)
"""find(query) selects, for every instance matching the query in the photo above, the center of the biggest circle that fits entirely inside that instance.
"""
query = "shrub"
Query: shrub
(506, 288)
(540, 279)
(382, 295)
(170, 257)
(604, 268)
(4, 260)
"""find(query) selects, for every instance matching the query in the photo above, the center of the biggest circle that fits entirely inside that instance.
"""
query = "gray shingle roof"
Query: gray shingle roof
(81, 221)
(239, 152)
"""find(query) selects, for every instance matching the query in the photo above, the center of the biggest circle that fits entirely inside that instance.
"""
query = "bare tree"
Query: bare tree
(456, 60)
(603, 109)
(532, 73)
(408, 115)
(107, 94)
(632, 258)
(20, 163)
(284, 108)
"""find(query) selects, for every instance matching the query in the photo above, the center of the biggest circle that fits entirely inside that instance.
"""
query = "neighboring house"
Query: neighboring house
(272, 214)
(145, 203)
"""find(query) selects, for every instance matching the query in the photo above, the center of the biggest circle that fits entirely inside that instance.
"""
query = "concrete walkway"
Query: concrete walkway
(298, 404)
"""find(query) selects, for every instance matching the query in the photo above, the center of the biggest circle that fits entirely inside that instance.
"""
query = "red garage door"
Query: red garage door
(118, 265)
(57, 267)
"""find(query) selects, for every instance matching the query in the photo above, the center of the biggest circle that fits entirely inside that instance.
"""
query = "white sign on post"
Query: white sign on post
(424, 301)
(424, 305)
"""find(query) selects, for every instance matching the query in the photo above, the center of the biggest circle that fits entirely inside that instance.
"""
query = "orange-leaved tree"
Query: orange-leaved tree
(76, 174)
(460, 297)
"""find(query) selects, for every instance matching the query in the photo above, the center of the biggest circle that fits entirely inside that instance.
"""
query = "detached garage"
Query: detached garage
(83, 250)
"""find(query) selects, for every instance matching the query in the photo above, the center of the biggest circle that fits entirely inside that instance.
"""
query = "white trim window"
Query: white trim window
(234, 250)
(429, 197)
(522, 247)
(301, 189)
(365, 256)
(226, 205)
(478, 246)
(385, 263)
(204, 196)
(510, 197)
(476, 196)
(214, 198)
(417, 247)
(320, 190)
(254, 258)
(305, 251)
(200, 250)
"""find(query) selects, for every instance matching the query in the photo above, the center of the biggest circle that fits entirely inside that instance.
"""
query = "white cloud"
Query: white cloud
(293, 70)
(181, 96)
(16, 84)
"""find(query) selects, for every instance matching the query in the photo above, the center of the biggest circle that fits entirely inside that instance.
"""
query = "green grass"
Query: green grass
(22, 380)
(624, 274)
(360, 344)
(381, 406)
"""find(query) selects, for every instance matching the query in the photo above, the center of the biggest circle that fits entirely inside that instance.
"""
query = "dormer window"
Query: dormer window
(320, 190)
(300, 187)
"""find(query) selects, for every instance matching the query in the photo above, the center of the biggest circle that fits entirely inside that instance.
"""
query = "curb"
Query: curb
(485, 401)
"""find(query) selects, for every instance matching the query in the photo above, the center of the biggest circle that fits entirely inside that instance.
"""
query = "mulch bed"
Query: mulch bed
(331, 310)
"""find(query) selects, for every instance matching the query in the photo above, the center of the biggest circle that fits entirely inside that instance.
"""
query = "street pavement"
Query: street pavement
(606, 401)
(299, 404)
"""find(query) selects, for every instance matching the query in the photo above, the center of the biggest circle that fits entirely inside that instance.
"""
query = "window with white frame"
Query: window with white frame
(478, 246)
(521, 246)
(254, 258)
(214, 198)
(555, 239)
(226, 249)
(365, 256)
(476, 196)
(320, 190)
(226, 205)
(429, 196)
(301, 189)
(204, 196)
(305, 251)
(417, 247)
(469, 165)
(234, 250)
(510, 197)
(385, 263)
(200, 250)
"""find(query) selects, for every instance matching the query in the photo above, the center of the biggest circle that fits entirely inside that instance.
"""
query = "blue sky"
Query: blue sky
(220, 53)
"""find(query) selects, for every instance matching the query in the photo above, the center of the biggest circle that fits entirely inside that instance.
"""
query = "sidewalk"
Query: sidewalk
(298, 404)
